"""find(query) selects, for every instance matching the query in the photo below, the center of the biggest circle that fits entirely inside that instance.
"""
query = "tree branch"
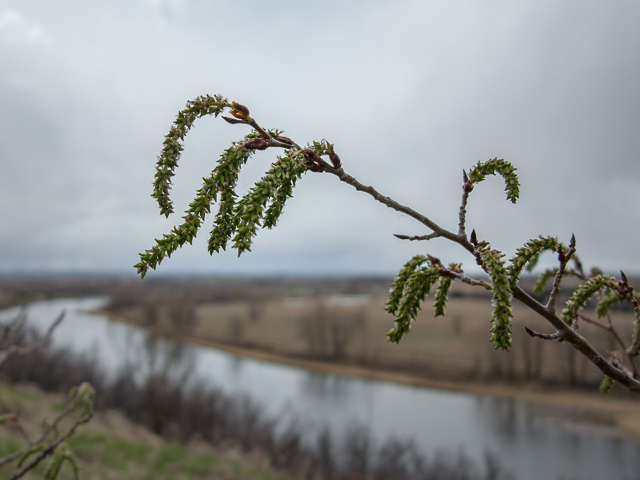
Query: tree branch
(466, 189)
(389, 202)
(570, 333)
(565, 331)
(578, 341)
(544, 336)
(563, 259)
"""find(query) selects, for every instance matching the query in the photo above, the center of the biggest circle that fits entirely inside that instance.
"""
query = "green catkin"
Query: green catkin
(497, 165)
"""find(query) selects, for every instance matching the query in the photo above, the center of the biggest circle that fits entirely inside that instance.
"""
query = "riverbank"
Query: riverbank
(614, 411)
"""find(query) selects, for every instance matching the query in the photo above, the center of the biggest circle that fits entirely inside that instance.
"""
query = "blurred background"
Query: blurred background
(410, 93)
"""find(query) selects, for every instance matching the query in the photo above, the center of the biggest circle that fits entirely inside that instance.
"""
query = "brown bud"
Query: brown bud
(434, 260)
(286, 140)
(257, 144)
(310, 154)
(473, 239)
(316, 167)
(446, 273)
(625, 280)
(622, 289)
(232, 121)
(467, 187)
(335, 160)
(562, 256)
(244, 111)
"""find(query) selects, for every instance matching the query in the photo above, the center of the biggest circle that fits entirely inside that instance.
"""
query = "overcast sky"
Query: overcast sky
(410, 93)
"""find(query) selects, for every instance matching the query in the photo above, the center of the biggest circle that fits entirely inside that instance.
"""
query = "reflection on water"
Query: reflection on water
(324, 387)
(533, 441)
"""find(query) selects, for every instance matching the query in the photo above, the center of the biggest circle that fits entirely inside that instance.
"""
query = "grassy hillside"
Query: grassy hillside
(111, 447)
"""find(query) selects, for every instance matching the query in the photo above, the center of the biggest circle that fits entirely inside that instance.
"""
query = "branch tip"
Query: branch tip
(473, 238)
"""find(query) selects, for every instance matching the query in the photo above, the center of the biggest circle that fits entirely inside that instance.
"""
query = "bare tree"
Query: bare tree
(238, 221)
(182, 316)
(236, 329)
(12, 339)
(328, 333)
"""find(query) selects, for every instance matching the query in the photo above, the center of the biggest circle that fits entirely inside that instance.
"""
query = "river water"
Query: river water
(533, 441)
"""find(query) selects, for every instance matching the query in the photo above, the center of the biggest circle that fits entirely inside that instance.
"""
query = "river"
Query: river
(533, 441)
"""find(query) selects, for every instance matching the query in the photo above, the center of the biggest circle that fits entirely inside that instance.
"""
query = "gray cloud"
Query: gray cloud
(410, 93)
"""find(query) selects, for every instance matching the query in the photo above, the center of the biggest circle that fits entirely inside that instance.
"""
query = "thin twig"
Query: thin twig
(52, 446)
(636, 337)
(14, 325)
(12, 457)
(23, 350)
(600, 325)
(466, 189)
(575, 326)
(417, 237)
(544, 336)
(563, 259)
(470, 281)
(21, 429)
(578, 269)
(389, 202)
(270, 138)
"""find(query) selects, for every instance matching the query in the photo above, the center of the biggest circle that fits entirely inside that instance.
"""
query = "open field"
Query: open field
(351, 329)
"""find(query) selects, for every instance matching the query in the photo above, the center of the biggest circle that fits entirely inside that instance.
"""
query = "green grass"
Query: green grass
(105, 455)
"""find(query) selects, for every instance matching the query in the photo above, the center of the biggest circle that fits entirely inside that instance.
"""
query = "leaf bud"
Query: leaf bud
(244, 111)
(286, 140)
(467, 187)
(624, 278)
(473, 238)
(335, 160)
(232, 121)
(310, 154)
(434, 260)
(257, 144)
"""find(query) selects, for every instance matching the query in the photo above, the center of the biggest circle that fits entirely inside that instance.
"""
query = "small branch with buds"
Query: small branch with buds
(467, 186)
(544, 336)
(416, 237)
(563, 259)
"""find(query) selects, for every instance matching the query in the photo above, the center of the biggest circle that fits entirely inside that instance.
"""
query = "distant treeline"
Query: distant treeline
(129, 290)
